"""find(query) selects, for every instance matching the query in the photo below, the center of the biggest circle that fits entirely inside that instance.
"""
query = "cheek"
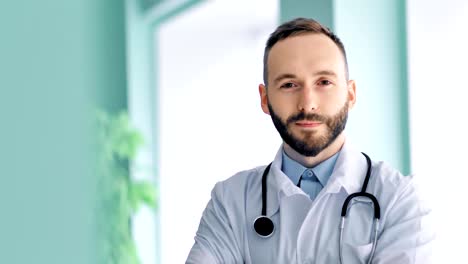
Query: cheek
(332, 103)
(283, 108)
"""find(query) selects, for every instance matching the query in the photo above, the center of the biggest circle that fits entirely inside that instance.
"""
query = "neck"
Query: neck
(326, 153)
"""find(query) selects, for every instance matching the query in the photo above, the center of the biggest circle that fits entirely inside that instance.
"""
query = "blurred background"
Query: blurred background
(118, 117)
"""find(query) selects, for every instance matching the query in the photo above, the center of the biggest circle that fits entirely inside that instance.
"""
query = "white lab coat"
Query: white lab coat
(308, 231)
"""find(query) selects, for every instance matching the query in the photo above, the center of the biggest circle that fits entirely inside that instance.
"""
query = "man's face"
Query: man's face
(310, 143)
(308, 96)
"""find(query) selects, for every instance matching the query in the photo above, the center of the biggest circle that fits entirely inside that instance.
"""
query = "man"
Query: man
(308, 94)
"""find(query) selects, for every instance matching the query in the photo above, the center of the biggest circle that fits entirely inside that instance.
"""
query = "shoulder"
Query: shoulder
(239, 183)
(232, 194)
(389, 177)
(390, 185)
(399, 194)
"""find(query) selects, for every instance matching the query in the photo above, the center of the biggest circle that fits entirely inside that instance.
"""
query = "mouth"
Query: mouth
(308, 124)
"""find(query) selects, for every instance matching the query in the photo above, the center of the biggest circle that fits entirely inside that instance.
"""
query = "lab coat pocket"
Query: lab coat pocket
(356, 253)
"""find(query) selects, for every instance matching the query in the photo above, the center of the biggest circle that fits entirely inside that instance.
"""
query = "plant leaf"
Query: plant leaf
(143, 193)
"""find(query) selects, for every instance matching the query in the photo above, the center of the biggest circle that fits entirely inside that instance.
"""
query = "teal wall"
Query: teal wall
(320, 10)
(58, 59)
(374, 35)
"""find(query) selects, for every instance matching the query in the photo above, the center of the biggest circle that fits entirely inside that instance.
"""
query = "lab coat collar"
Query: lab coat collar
(348, 173)
(279, 185)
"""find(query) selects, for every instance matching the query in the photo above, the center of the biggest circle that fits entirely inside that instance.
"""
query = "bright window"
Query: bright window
(438, 83)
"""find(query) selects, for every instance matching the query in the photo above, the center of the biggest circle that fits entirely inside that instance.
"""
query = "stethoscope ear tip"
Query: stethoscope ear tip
(264, 226)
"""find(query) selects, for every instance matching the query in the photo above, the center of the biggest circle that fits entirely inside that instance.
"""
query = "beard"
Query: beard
(311, 144)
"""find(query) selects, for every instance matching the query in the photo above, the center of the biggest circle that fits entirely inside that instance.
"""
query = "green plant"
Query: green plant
(118, 195)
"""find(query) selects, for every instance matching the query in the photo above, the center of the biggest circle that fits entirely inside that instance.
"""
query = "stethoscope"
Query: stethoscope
(265, 228)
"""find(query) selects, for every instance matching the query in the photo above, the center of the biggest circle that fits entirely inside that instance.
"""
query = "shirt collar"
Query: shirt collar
(322, 171)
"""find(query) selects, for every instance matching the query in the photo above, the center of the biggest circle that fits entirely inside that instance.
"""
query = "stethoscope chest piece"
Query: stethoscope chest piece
(264, 226)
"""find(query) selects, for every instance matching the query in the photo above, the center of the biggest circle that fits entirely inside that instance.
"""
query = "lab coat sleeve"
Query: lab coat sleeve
(407, 235)
(215, 241)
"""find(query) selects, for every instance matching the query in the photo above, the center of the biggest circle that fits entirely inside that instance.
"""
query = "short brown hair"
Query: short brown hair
(296, 27)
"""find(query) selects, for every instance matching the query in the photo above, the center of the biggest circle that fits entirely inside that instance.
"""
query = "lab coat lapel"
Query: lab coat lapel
(324, 214)
(279, 186)
(349, 171)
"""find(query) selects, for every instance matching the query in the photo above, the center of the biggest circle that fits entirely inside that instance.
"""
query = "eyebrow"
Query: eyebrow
(292, 76)
(284, 76)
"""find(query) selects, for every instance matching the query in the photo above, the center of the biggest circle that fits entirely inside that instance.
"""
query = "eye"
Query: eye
(288, 85)
(324, 83)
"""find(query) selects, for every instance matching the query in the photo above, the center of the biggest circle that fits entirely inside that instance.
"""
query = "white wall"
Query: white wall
(438, 58)
(210, 120)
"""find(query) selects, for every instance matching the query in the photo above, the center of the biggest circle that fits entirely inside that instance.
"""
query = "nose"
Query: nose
(308, 99)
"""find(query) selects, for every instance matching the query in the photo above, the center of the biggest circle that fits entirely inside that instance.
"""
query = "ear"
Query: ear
(262, 90)
(351, 93)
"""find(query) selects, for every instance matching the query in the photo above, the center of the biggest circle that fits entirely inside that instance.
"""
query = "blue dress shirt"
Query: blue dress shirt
(313, 179)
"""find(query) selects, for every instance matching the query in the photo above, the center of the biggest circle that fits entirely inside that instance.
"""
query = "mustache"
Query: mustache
(302, 116)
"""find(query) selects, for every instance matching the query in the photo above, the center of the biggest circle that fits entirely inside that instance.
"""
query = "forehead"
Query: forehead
(305, 53)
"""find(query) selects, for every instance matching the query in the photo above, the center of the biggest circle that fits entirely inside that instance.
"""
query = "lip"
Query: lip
(308, 124)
